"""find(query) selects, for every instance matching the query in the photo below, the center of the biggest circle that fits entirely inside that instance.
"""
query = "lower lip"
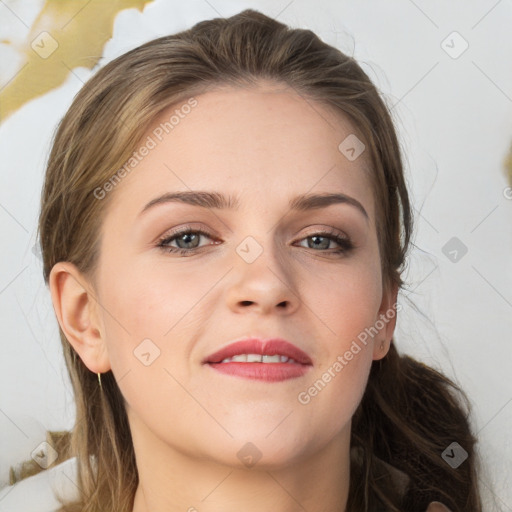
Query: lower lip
(270, 372)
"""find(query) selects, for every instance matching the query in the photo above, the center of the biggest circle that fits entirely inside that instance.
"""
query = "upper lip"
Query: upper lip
(269, 347)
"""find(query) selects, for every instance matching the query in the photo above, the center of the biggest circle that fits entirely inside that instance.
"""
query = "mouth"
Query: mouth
(272, 360)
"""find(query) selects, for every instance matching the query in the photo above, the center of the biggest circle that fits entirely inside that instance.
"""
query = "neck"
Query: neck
(172, 481)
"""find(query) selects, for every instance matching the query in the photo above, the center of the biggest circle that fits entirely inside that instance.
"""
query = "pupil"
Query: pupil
(316, 238)
(186, 237)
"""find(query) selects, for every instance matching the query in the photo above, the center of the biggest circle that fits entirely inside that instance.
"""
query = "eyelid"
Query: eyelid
(173, 233)
(326, 230)
(312, 231)
(342, 240)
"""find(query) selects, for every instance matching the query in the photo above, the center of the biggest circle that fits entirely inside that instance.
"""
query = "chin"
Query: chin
(263, 451)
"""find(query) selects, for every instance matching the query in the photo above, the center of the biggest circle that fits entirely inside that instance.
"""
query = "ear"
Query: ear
(76, 309)
(387, 315)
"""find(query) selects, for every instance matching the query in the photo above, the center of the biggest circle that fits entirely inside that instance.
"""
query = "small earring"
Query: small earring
(382, 344)
(99, 380)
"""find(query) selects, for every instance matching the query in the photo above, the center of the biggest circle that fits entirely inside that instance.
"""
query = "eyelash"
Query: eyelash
(346, 245)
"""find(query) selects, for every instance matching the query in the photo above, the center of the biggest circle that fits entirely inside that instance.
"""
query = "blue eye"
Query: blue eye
(185, 236)
(189, 239)
(345, 244)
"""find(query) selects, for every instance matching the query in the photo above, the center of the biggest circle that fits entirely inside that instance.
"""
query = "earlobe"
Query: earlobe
(387, 320)
(77, 313)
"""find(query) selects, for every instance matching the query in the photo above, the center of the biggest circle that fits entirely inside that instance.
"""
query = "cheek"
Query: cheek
(147, 300)
(348, 309)
(146, 314)
(146, 307)
(346, 300)
(333, 393)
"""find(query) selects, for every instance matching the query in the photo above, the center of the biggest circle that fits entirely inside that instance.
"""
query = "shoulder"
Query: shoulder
(37, 493)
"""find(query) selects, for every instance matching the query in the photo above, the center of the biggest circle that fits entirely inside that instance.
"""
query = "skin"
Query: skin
(264, 145)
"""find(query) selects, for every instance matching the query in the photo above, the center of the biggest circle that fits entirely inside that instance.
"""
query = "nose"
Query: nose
(263, 286)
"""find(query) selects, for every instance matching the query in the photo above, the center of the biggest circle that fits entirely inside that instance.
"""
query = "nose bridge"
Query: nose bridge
(259, 234)
(261, 276)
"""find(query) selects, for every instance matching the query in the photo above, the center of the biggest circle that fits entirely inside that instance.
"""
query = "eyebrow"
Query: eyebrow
(206, 199)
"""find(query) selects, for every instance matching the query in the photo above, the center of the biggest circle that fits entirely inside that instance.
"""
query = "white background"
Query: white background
(454, 116)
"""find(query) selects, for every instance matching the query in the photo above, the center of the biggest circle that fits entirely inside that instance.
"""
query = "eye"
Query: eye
(323, 239)
(188, 241)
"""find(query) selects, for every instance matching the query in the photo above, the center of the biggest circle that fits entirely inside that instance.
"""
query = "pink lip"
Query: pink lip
(269, 347)
(270, 372)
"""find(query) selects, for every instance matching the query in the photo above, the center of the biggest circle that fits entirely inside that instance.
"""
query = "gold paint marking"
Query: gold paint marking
(65, 35)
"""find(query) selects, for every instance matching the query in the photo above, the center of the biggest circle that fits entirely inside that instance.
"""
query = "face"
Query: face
(262, 269)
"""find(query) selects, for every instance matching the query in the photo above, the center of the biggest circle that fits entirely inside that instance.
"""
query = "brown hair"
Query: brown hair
(409, 413)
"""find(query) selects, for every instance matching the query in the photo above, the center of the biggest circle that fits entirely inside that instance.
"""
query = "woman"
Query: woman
(224, 224)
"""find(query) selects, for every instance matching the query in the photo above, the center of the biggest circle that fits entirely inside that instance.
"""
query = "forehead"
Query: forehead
(263, 143)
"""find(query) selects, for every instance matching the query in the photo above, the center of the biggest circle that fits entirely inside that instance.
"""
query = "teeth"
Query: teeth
(241, 358)
(258, 358)
(272, 359)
